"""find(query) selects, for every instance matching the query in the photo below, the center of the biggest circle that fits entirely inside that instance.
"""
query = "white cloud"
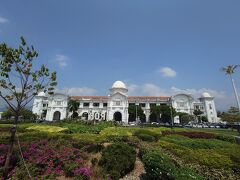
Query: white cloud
(153, 90)
(132, 88)
(198, 92)
(222, 100)
(79, 91)
(62, 60)
(3, 20)
(167, 72)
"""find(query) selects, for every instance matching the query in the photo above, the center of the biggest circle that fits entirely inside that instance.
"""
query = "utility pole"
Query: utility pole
(235, 92)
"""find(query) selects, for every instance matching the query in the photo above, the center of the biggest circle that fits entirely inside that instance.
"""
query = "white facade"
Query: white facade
(115, 105)
(210, 110)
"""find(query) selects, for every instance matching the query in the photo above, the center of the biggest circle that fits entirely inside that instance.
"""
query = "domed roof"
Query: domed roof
(41, 94)
(119, 85)
(206, 95)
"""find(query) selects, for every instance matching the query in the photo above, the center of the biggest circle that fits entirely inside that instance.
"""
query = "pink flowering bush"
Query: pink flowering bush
(49, 159)
(85, 172)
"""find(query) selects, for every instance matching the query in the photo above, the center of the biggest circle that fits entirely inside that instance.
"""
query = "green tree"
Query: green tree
(164, 113)
(27, 114)
(231, 116)
(24, 113)
(7, 114)
(73, 106)
(20, 82)
(197, 113)
(186, 118)
(204, 119)
(136, 109)
(230, 70)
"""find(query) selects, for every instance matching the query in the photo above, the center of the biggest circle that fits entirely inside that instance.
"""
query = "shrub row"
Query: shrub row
(201, 135)
(159, 166)
(190, 134)
(147, 135)
(85, 126)
(231, 139)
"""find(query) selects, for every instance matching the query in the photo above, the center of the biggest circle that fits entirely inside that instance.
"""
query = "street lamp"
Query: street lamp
(136, 111)
(171, 113)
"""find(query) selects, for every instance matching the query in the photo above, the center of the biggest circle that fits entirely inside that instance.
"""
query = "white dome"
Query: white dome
(206, 95)
(119, 85)
(41, 94)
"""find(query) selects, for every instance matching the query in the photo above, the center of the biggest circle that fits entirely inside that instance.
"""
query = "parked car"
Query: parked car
(188, 126)
(133, 123)
(204, 126)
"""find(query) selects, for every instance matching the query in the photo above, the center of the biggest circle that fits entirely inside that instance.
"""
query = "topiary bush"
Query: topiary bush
(147, 135)
(118, 159)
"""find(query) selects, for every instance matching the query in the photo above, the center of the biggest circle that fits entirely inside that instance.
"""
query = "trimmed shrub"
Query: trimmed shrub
(159, 166)
(115, 138)
(197, 143)
(94, 148)
(118, 159)
(190, 134)
(147, 135)
(226, 138)
(133, 141)
(48, 129)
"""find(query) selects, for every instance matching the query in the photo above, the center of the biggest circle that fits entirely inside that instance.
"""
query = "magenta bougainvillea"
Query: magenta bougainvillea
(51, 159)
(86, 172)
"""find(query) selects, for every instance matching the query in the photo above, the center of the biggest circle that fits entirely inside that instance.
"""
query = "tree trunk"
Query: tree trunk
(10, 149)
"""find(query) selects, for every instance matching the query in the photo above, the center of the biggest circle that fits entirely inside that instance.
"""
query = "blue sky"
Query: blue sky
(157, 47)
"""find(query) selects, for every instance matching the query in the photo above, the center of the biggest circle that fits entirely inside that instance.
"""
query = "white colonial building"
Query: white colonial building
(115, 105)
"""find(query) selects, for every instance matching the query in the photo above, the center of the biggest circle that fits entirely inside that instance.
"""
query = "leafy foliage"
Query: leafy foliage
(24, 113)
(73, 106)
(118, 159)
(232, 115)
(162, 113)
(197, 112)
(133, 109)
(20, 82)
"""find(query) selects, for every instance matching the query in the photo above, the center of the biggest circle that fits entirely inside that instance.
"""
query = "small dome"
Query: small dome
(119, 84)
(206, 95)
(41, 94)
